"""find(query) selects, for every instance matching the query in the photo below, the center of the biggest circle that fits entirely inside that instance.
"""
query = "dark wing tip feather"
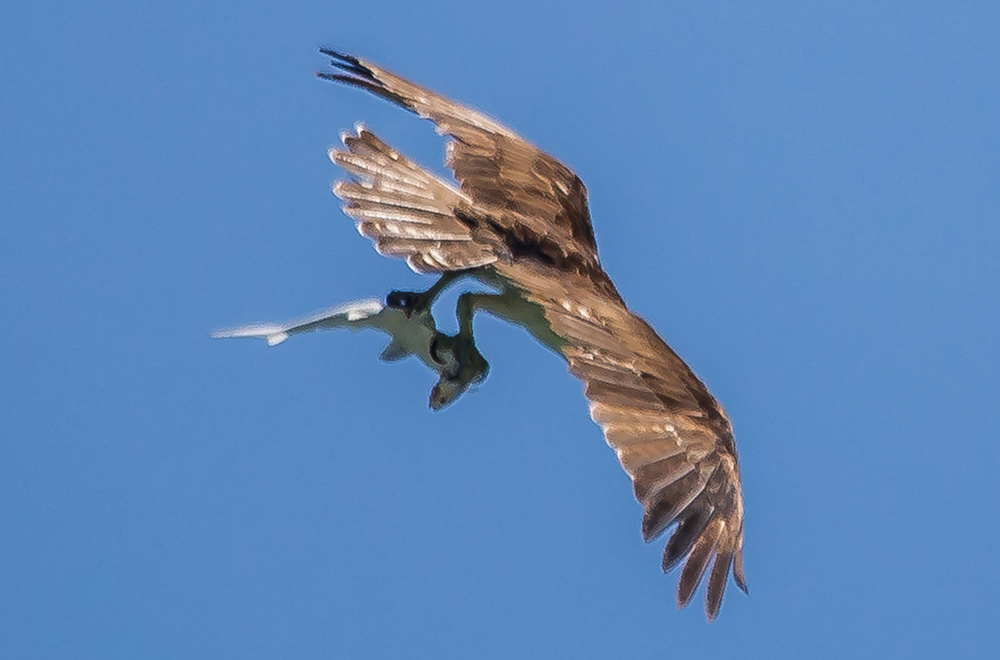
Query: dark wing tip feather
(693, 571)
(704, 549)
(359, 75)
(651, 527)
(360, 83)
(717, 584)
(738, 575)
(346, 62)
(684, 537)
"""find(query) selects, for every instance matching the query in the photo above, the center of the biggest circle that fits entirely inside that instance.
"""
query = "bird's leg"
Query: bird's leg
(421, 301)
(472, 366)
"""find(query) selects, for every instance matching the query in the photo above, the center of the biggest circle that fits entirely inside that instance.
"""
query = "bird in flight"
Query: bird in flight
(518, 221)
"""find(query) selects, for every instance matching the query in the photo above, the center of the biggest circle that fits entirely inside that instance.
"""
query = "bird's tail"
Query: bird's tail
(407, 211)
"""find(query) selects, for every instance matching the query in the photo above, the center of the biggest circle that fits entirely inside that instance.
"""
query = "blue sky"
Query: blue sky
(801, 197)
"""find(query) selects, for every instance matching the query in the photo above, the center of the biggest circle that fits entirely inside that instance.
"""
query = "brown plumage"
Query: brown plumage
(520, 217)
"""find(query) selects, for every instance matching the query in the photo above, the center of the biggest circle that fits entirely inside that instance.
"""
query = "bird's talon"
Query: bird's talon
(472, 367)
(468, 367)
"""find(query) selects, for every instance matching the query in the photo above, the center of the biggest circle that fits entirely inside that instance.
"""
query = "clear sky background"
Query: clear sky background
(802, 197)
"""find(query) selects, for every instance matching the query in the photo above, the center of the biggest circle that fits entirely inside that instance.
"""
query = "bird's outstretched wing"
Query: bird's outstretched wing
(525, 191)
(407, 211)
(671, 436)
(522, 214)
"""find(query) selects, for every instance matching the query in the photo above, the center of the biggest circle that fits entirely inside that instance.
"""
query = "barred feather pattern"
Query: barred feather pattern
(526, 191)
(670, 435)
(404, 209)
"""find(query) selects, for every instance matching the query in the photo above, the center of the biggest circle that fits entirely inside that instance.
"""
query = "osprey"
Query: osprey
(518, 221)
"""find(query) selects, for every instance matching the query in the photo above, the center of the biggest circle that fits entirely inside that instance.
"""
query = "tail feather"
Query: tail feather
(407, 211)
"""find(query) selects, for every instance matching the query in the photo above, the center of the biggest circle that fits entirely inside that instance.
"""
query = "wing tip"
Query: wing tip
(739, 576)
(724, 562)
(345, 62)
(712, 547)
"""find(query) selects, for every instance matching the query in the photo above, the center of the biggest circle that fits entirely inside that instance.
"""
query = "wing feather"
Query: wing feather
(671, 436)
(523, 189)
(703, 548)
(407, 211)
(671, 502)
(717, 583)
